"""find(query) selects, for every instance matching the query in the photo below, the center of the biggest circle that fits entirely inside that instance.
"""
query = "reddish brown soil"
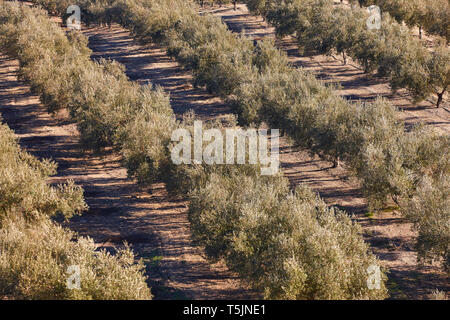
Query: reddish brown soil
(390, 235)
(355, 84)
(154, 224)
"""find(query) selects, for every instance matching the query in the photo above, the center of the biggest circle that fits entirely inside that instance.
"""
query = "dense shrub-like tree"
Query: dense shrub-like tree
(312, 114)
(35, 257)
(430, 213)
(392, 51)
(23, 185)
(258, 6)
(432, 16)
(35, 252)
(141, 135)
(439, 72)
(315, 246)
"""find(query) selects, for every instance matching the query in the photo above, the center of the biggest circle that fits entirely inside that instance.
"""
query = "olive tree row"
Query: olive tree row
(264, 87)
(433, 16)
(138, 121)
(35, 252)
(320, 26)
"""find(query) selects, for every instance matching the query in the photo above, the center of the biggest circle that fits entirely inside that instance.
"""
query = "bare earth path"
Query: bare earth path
(154, 224)
(356, 85)
(151, 64)
(390, 235)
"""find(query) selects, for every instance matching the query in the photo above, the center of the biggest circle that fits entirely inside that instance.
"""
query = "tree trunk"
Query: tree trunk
(420, 32)
(396, 200)
(439, 101)
(440, 96)
(336, 162)
(345, 58)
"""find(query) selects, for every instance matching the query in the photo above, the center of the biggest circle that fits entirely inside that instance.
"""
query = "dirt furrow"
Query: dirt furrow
(151, 64)
(153, 223)
(355, 84)
(390, 236)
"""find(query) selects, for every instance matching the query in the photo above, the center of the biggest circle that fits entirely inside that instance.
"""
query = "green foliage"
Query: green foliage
(430, 213)
(289, 245)
(34, 258)
(23, 185)
(392, 51)
(431, 15)
(217, 58)
(258, 6)
(263, 87)
(34, 251)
